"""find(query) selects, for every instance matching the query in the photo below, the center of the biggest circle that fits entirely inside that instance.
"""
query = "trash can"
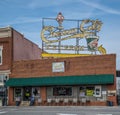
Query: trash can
(109, 103)
(17, 103)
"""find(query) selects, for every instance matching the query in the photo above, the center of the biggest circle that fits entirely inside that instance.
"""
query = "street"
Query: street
(60, 110)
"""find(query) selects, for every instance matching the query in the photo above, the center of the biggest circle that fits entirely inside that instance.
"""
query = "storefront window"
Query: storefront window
(18, 92)
(82, 91)
(27, 93)
(89, 91)
(36, 91)
(62, 91)
(86, 91)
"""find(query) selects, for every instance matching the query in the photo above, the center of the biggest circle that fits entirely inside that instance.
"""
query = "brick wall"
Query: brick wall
(88, 65)
(6, 53)
(98, 64)
(10, 94)
(16, 47)
(24, 49)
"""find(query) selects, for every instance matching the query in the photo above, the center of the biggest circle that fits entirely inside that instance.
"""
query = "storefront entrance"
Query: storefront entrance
(27, 93)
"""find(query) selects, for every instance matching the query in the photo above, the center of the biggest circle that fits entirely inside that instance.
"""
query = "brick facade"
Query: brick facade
(21, 58)
(24, 49)
(6, 53)
(88, 65)
(14, 47)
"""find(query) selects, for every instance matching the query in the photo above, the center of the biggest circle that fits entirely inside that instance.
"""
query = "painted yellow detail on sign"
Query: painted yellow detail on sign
(101, 49)
(54, 55)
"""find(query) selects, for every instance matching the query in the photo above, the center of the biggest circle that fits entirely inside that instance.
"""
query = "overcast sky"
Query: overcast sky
(26, 16)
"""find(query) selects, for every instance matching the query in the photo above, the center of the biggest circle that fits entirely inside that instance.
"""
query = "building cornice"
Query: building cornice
(5, 32)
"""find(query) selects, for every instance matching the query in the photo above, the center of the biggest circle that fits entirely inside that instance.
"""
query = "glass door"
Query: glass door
(27, 93)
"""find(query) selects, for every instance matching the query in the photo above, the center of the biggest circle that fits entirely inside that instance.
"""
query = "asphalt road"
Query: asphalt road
(60, 110)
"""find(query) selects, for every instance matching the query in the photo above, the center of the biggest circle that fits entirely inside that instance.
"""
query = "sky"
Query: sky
(26, 17)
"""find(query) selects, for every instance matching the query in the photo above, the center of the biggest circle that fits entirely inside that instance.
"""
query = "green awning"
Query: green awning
(61, 80)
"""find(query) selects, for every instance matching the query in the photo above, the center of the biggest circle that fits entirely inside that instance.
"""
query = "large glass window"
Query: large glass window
(18, 92)
(27, 93)
(86, 91)
(89, 91)
(36, 91)
(62, 91)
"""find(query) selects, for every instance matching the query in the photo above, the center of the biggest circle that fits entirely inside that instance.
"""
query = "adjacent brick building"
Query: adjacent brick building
(13, 47)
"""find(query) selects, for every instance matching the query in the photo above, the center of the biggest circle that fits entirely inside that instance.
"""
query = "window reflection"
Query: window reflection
(62, 91)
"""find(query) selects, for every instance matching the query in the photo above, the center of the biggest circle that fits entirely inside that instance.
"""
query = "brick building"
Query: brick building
(89, 80)
(85, 80)
(13, 47)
